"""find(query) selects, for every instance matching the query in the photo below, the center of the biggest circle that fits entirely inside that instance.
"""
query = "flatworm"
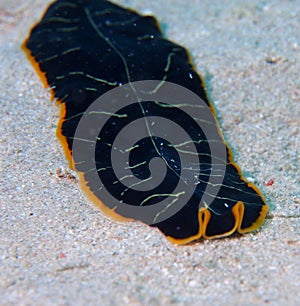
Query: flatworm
(82, 49)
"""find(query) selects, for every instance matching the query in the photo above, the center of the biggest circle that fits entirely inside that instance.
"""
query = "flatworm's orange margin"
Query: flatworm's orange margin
(68, 153)
(203, 214)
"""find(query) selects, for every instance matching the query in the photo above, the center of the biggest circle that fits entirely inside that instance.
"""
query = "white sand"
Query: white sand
(57, 248)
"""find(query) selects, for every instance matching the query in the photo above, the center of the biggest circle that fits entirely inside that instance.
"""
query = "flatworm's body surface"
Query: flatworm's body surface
(82, 49)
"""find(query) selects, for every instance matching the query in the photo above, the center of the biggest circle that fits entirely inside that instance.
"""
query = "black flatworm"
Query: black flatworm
(82, 49)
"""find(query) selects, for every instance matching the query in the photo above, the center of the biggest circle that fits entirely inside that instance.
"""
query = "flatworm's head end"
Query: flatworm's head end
(206, 219)
(189, 239)
(258, 222)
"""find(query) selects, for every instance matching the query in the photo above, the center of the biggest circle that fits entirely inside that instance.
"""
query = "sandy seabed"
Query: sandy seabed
(57, 248)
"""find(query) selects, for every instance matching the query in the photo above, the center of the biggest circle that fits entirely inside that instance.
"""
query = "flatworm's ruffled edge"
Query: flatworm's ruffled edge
(204, 214)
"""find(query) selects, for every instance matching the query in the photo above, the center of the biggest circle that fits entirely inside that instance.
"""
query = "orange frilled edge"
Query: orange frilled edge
(204, 214)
